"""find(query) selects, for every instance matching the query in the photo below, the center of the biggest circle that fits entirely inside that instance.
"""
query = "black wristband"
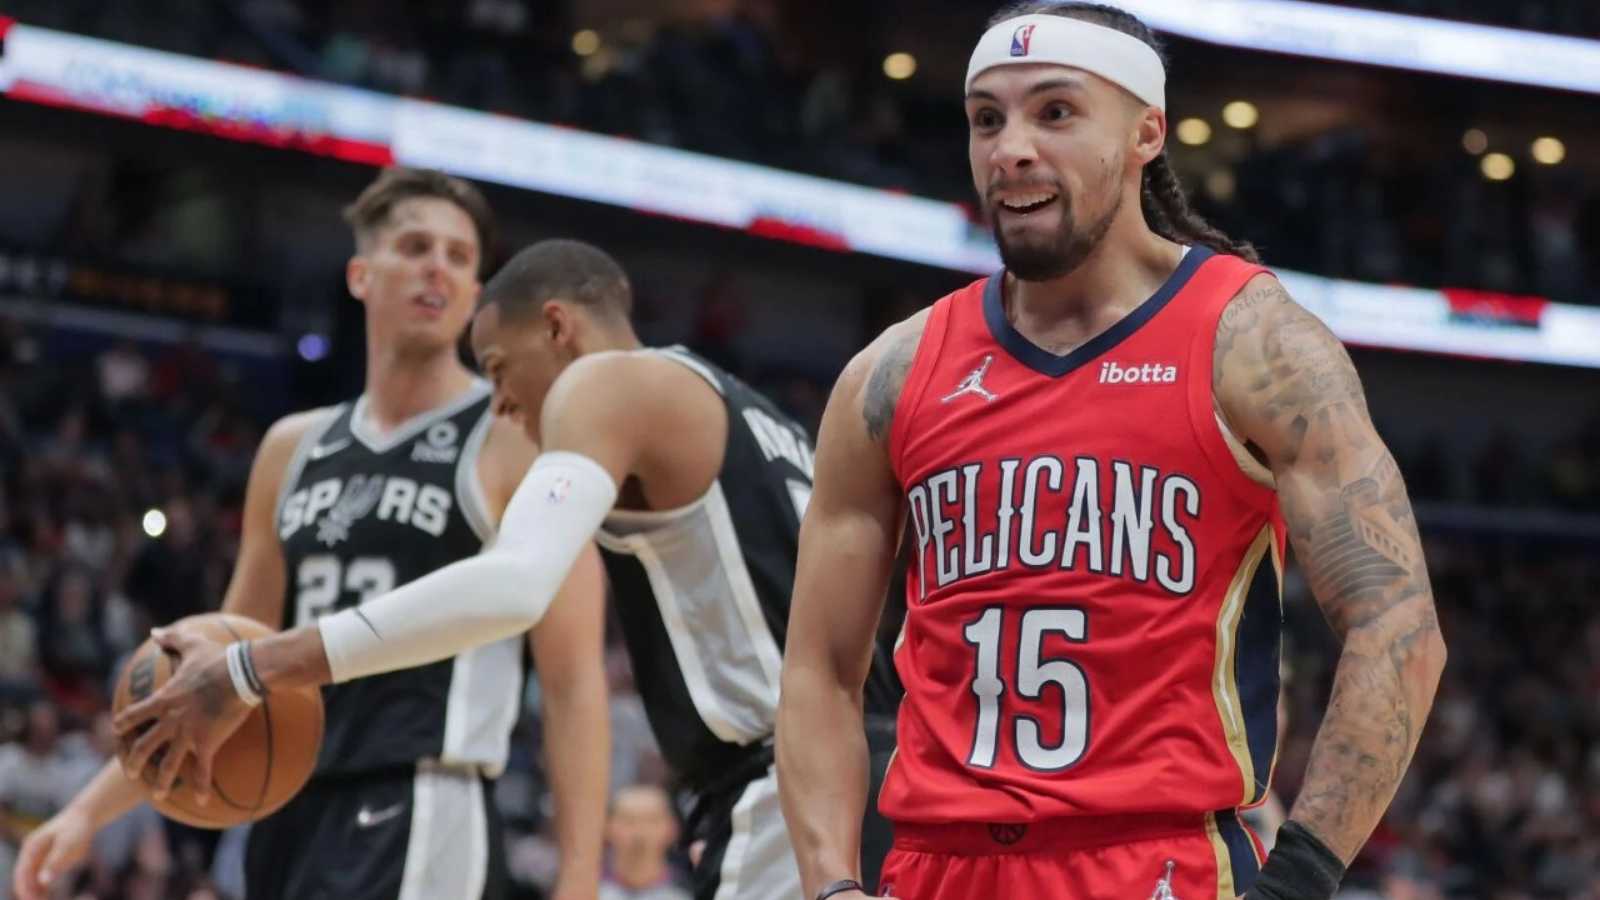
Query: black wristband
(250, 672)
(839, 887)
(1300, 867)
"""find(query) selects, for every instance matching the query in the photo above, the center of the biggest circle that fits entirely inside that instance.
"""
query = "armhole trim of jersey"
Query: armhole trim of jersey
(934, 330)
(470, 492)
(680, 355)
(1248, 464)
(297, 462)
(1224, 450)
(647, 518)
(655, 518)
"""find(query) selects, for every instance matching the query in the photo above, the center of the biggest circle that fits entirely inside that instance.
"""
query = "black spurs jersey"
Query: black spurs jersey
(362, 513)
(702, 592)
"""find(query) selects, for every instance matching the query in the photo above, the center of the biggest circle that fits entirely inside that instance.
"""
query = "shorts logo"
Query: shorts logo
(1163, 889)
(1007, 834)
(1020, 40)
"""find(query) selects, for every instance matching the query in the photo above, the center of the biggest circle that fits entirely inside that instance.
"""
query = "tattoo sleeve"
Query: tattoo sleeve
(888, 377)
(1288, 386)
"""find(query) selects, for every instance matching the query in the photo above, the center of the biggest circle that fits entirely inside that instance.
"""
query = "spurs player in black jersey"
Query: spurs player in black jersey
(348, 502)
(694, 486)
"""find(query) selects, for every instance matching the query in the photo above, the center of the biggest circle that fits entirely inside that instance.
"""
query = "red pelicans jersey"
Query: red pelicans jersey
(1093, 593)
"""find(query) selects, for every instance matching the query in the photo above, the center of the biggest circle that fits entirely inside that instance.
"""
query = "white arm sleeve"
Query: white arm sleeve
(501, 592)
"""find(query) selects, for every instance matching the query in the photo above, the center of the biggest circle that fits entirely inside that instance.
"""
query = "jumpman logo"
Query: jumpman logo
(1163, 889)
(973, 384)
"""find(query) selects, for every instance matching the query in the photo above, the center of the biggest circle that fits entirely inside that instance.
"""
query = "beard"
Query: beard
(1050, 256)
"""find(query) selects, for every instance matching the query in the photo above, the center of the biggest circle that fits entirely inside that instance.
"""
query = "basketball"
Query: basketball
(262, 765)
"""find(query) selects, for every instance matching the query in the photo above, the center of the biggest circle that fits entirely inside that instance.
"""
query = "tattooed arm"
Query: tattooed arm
(847, 549)
(1286, 385)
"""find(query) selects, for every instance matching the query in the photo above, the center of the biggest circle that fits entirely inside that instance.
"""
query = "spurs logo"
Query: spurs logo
(360, 495)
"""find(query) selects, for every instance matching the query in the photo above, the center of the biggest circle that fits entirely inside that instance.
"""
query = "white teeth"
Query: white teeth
(433, 301)
(1023, 201)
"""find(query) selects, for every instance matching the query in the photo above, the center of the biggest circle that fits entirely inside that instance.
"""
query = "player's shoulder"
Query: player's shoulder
(286, 434)
(874, 379)
(1256, 318)
(893, 348)
(633, 375)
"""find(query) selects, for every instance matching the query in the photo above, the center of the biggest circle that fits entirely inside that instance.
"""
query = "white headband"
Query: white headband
(1118, 58)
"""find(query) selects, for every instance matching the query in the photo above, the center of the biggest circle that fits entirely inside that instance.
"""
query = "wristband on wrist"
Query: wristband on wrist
(839, 887)
(240, 673)
(1300, 867)
(247, 656)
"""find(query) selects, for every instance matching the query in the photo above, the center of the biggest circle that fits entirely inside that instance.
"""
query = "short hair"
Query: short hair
(560, 270)
(372, 209)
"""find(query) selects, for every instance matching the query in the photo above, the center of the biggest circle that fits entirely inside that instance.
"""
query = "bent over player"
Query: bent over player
(692, 483)
(1101, 450)
(344, 504)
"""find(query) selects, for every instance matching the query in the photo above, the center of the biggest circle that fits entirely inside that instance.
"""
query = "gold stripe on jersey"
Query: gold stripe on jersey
(1219, 848)
(1224, 683)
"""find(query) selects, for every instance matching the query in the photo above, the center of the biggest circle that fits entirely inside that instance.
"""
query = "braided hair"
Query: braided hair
(1166, 207)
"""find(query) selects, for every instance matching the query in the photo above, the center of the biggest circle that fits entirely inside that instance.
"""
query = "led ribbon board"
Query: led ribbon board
(163, 89)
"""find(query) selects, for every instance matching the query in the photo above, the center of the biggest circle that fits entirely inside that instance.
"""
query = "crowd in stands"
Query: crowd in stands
(1343, 203)
(1503, 799)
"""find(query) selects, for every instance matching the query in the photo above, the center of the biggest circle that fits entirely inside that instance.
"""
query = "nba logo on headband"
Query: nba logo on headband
(1021, 39)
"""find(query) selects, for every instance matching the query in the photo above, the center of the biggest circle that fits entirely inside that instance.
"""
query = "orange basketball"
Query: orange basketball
(266, 762)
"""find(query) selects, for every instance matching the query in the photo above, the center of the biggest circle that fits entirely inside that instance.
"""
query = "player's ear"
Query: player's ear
(357, 275)
(1149, 135)
(558, 322)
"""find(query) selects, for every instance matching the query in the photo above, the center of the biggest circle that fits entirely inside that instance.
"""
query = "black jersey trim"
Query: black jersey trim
(681, 355)
(1046, 363)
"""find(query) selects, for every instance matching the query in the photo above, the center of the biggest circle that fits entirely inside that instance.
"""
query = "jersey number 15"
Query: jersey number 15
(1033, 673)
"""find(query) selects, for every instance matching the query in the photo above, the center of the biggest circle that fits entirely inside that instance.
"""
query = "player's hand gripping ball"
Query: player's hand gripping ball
(207, 758)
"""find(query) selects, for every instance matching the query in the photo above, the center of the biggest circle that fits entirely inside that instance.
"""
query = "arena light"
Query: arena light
(1498, 167)
(1194, 132)
(312, 347)
(1378, 38)
(1241, 114)
(596, 65)
(1549, 151)
(1221, 185)
(899, 66)
(154, 523)
(1475, 141)
(586, 42)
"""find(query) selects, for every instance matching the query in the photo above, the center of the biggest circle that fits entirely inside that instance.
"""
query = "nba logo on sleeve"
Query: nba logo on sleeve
(1021, 39)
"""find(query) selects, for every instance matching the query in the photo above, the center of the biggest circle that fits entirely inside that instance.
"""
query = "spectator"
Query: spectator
(19, 660)
(169, 578)
(36, 781)
(639, 833)
(75, 653)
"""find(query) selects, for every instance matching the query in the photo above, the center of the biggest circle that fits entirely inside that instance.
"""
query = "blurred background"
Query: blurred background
(171, 280)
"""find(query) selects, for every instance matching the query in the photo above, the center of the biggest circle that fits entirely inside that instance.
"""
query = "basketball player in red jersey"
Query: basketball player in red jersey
(1101, 451)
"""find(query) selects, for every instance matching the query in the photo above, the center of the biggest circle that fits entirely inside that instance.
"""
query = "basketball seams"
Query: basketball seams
(266, 715)
(273, 778)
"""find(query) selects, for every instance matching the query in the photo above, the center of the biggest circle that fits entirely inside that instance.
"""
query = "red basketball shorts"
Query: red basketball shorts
(1166, 857)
